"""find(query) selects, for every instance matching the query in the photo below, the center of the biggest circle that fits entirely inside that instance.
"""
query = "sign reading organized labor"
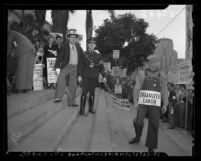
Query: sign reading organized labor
(116, 54)
(38, 77)
(151, 98)
(51, 73)
(185, 73)
(121, 103)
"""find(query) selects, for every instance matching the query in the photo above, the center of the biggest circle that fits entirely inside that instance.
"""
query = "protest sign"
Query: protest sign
(173, 78)
(107, 66)
(123, 72)
(121, 103)
(116, 54)
(51, 73)
(174, 69)
(116, 71)
(185, 73)
(151, 98)
(118, 89)
(38, 77)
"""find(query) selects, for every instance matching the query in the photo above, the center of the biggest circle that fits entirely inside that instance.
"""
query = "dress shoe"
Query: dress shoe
(134, 140)
(57, 100)
(92, 111)
(74, 105)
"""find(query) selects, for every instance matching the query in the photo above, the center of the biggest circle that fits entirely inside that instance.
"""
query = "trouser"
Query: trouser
(89, 85)
(182, 114)
(153, 125)
(176, 114)
(189, 116)
(171, 114)
(70, 70)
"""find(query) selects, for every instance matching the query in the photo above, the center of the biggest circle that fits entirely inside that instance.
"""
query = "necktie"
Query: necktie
(73, 49)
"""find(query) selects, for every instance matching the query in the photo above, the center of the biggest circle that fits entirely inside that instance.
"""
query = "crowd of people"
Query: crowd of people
(180, 111)
(21, 57)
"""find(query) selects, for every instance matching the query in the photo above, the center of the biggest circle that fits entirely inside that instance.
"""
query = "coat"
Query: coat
(95, 59)
(63, 57)
(25, 52)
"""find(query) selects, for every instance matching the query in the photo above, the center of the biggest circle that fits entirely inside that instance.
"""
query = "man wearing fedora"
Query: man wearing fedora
(68, 63)
(149, 89)
(92, 66)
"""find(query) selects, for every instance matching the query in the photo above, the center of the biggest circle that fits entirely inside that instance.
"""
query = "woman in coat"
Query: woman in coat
(25, 52)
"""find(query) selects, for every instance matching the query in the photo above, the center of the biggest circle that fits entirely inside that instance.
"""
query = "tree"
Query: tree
(60, 20)
(89, 22)
(89, 25)
(113, 34)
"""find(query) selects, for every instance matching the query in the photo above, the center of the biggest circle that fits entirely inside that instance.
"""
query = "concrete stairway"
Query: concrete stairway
(35, 123)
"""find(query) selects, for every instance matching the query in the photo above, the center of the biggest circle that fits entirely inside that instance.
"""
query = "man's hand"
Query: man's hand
(58, 71)
(136, 106)
(104, 80)
(164, 109)
(79, 79)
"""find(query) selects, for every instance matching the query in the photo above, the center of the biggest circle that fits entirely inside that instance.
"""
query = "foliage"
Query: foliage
(113, 34)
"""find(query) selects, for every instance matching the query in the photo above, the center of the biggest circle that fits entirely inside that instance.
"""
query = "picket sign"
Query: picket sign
(118, 89)
(107, 66)
(151, 98)
(121, 103)
(116, 54)
(38, 77)
(51, 73)
(185, 73)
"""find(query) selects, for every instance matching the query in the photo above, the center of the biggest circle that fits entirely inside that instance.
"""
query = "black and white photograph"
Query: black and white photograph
(101, 80)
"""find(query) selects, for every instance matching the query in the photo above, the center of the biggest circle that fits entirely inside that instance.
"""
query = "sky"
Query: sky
(157, 20)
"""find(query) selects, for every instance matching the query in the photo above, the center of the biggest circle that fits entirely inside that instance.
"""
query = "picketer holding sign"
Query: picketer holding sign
(149, 89)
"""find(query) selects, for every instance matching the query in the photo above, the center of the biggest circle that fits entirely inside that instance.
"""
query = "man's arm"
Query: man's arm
(138, 85)
(80, 63)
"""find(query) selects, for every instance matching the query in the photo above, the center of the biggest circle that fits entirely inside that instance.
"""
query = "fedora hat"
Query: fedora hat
(72, 32)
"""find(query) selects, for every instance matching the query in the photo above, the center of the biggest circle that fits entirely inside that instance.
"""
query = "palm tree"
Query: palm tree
(89, 22)
(89, 25)
(60, 20)
(112, 14)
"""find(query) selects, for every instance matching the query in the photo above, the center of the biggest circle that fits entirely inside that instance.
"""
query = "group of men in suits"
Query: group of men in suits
(79, 67)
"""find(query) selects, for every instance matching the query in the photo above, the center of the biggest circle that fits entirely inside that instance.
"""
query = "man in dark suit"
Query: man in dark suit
(69, 61)
(92, 66)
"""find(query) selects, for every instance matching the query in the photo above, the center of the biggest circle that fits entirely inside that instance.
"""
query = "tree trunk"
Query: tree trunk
(60, 21)
(89, 25)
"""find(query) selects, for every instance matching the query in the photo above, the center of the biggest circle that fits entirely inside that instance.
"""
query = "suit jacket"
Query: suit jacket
(64, 57)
